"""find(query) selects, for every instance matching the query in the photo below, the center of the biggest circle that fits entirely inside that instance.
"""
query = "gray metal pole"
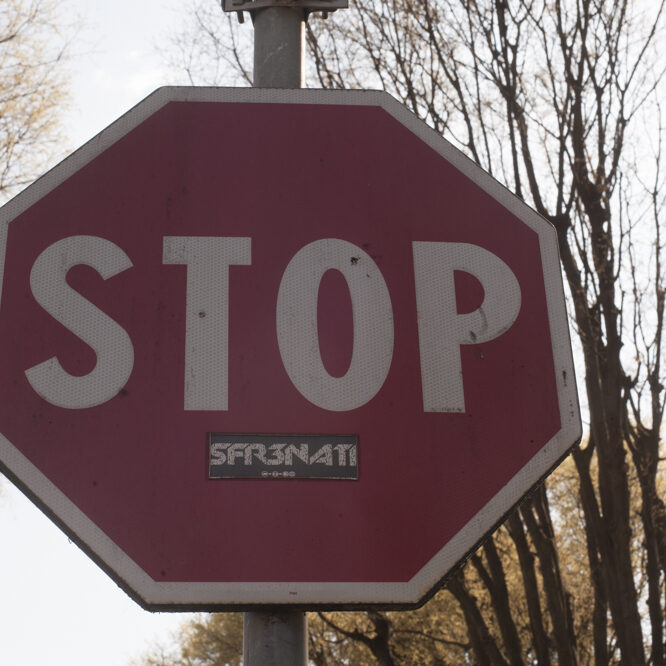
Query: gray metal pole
(278, 47)
(277, 637)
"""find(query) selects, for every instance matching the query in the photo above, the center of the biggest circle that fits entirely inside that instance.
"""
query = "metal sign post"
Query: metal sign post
(277, 637)
(278, 47)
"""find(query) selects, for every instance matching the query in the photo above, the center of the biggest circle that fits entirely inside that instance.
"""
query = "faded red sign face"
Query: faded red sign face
(308, 292)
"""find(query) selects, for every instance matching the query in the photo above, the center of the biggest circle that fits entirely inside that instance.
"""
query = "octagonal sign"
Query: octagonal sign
(278, 347)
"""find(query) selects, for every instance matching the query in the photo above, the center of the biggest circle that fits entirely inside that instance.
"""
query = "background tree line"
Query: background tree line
(560, 101)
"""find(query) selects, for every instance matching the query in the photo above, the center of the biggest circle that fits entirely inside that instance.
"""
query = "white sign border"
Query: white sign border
(156, 595)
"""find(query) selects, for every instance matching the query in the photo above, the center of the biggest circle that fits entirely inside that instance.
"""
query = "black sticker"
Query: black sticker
(282, 456)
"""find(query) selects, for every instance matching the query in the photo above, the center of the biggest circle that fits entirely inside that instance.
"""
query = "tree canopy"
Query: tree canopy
(33, 88)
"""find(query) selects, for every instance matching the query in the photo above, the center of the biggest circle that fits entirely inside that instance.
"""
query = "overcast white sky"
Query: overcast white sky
(56, 607)
(117, 61)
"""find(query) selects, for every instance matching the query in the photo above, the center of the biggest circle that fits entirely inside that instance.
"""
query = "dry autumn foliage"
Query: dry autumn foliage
(33, 88)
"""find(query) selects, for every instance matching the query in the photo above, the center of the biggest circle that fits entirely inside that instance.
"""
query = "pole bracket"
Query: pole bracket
(241, 6)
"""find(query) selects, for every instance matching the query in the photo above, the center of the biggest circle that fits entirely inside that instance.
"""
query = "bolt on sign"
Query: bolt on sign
(278, 347)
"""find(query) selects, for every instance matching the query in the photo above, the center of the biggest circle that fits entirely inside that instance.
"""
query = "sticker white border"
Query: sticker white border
(178, 596)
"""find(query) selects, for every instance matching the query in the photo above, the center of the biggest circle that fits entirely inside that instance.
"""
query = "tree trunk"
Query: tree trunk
(526, 559)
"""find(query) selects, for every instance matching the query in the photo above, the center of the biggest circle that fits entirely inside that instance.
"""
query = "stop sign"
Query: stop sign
(287, 347)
